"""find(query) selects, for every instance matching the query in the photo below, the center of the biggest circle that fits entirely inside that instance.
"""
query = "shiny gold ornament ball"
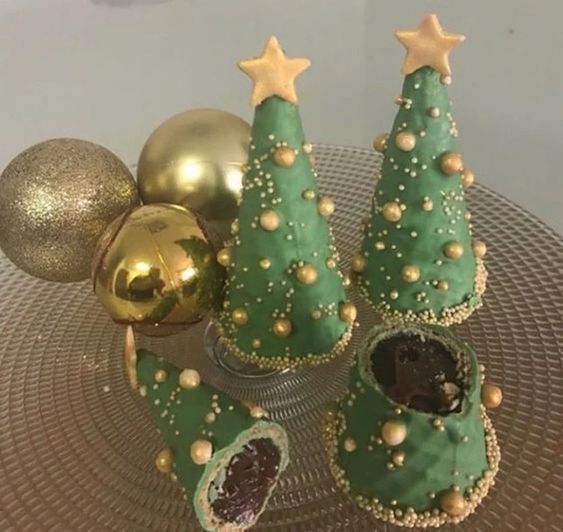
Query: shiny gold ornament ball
(358, 263)
(405, 141)
(491, 395)
(453, 503)
(164, 460)
(284, 156)
(467, 178)
(195, 159)
(348, 312)
(380, 142)
(201, 451)
(154, 268)
(307, 274)
(392, 211)
(269, 220)
(57, 197)
(410, 273)
(239, 316)
(189, 379)
(282, 327)
(450, 163)
(479, 248)
(224, 257)
(326, 206)
(393, 432)
(453, 250)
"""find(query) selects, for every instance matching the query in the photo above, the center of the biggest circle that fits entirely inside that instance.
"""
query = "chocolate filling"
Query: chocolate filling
(248, 479)
(418, 372)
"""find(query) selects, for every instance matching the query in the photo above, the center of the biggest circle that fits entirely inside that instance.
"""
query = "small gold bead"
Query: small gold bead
(235, 227)
(160, 375)
(284, 156)
(316, 314)
(210, 417)
(467, 178)
(467, 215)
(346, 280)
(479, 248)
(443, 285)
(309, 194)
(394, 294)
(189, 379)
(410, 273)
(453, 503)
(350, 445)
(427, 205)
(380, 246)
(307, 148)
(257, 412)
(326, 206)
(405, 141)
(453, 250)
(392, 211)
(256, 343)
(451, 163)
(164, 460)
(380, 142)
(398, 458)
(307, 274)
(239, 316)
(201, 451)
(358, 263)
(224, 257)
(491, 395)
(282, 327)
(265, 264)
(434, 112)
(330, 263)
(269, 220)
(348, 312)
(393, 432)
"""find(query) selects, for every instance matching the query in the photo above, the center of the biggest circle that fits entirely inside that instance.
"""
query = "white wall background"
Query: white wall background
(111, 70)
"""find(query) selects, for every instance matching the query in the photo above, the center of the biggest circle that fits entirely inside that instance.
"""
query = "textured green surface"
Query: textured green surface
(180, 420)
(418, 238)
(431, 456)
(303, 235)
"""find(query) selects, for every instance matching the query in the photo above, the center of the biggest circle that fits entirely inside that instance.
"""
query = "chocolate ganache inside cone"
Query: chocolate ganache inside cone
(238, 495)
(418, 372)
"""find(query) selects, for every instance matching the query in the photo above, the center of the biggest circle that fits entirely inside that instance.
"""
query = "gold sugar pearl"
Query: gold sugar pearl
(451, 163)
(269, 220)
(348, 312)
(398, 458)
(467, 178)
(380, 142)
(442, 285)
(284, 156)
(453, 503)
(160, 375)
(358, 263)
(392, 211)
(479, 248)
(393, 432)
(189, 379)
(326, 206)
(224, 257)
(405, 141)
(257, 412)
(235, 227)
(491, 395)
(453, 250)
(350, 445)
(164, 460)
(282, 327)
(256, 343)
(309, 194)
(307, 148)
(427, 205)
(265, 264)
(410, 273)
(307, 274)
(330, 263)
(201, 451)
(239, 316)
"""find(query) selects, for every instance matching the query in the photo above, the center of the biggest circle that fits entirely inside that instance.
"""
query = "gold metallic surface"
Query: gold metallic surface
(153, 268)
(450, 163)
(56, 199)
(380, 142)
(195, 159)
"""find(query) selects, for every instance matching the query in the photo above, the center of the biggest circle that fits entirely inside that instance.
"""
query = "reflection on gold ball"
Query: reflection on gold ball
(450, 163)
(201, 451)
(189, 379)
(405, 141)
(453, 250)
(392, 211)
(239, 316)
(307, 274)
(393, 432)
(410, 273)
(164, 460)
(284, 156)
(491, 395)
(348, 312)
(453, 503)
(380, 142)
(282, 327)
(479, 248)
(57, 198)
(224, 257)
(195, 159)
(269, 220)
(358, 263)
(154, 268)
(326, 206)
(467, 178)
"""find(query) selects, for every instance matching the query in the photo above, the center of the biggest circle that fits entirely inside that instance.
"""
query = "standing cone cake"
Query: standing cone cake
(411, 441)
(285, 303)
(227, 456)
(418, 262)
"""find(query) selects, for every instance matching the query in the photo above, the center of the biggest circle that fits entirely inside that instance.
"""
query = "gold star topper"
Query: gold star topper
(273, 73)
(428, 45)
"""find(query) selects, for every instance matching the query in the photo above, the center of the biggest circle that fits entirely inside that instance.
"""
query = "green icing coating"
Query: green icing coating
(303, 237)
(464, 453)
(413, 179)
(180, 416)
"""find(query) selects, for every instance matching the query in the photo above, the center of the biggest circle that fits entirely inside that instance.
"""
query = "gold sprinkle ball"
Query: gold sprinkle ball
(326, 206)
(224, 257)
(393, 432)
(467, 178)
(453, 503)
(307, 274)
(282, 327)
(348, 312)
(160, 375)
(201, 451)
(284, 156)
(410, 273)
(453, 250)
(269, 220)
(164, 460)
(239, 316)
(479, 248)
(491, 395)
(358, 263)
(392, 211)
(451, 163)
(380, 142)
(405, 141)
(189, 379)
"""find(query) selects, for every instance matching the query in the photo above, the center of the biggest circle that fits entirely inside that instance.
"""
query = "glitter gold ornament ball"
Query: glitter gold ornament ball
(57, 198)
(405, 141)
(393, 432)
(453, 503)
(491, 395)
(195, 159)
(154, 268)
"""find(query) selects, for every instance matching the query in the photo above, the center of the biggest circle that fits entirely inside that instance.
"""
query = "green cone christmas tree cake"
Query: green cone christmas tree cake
(285, 302)
(227, 456)
(411, 441)
(417, 260)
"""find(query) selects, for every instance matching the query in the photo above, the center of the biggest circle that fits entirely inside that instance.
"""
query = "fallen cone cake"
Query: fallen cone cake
(226, 455)
(411, 441)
